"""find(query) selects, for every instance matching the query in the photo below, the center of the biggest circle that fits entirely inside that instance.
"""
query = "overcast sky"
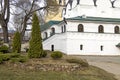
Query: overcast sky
(100, 3)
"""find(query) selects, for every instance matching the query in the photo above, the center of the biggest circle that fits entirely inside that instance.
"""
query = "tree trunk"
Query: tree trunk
(4, 18)
(23, 30)
(5, 33)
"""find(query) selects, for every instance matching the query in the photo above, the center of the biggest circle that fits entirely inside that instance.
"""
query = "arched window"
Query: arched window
(101, 29)
(80, 28)
(52, 31)
(46, 35)
(116, 29)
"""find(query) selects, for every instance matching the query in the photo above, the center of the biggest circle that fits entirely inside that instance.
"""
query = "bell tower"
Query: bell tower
(93, 8)
(61, 4)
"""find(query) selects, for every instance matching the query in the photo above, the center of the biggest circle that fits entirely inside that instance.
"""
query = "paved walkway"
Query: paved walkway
(110, 64)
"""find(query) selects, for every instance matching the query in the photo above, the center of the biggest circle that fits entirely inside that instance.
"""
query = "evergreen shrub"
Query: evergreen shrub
(4, 57)
(9, 56)
(1, 53)
(1, 61)
(21, 59)
(16, 45)
(44, 54)
(4, 49)
(35, 44)
(56, 55)
(14, 55)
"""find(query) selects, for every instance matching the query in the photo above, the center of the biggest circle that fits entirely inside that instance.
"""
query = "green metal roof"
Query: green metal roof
(95, 19)
(81, 18)
(49, 24)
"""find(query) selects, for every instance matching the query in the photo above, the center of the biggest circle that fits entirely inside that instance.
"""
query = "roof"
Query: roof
(95, 19)
(49, 24)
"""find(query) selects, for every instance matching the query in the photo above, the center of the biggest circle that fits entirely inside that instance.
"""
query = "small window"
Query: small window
(101, 29)
(80, 28)
(64, 28)
(101, 48)
(52, 47)
(116, 29)
(81, 47)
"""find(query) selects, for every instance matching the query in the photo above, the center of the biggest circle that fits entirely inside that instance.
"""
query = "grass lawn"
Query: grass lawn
(9, 72)
(92, 73)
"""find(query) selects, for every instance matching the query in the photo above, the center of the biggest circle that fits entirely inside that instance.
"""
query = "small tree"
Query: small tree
(16, 46)
(35, 44)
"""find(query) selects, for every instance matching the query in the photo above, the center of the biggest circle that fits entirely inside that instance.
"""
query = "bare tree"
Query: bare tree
(4, 17)
(25, 9)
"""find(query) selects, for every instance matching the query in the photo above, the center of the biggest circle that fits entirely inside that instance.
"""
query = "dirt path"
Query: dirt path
(110, 64)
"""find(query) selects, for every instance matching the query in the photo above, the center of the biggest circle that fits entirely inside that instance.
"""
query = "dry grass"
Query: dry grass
(49, 60)
(8, 72)
(92, 73)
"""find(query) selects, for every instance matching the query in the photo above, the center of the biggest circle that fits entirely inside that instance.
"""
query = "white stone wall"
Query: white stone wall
(91, 26)
(91, 43)
(59, 42)
(70, 41)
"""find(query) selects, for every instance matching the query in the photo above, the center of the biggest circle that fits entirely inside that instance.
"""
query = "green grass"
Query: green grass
(92, 73)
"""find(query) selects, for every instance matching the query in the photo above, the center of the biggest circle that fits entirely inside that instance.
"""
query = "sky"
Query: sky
(100, 3)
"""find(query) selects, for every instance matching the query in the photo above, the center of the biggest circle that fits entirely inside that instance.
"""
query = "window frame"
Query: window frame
(100, 29)
(80, 28)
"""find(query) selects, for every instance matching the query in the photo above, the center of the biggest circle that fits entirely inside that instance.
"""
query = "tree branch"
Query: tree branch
(40, 9)
(32, 5)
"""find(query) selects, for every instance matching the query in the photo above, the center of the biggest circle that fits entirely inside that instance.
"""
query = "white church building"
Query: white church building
(86, 30)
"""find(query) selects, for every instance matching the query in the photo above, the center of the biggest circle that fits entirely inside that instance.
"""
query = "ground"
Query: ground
(109, 63)
(19, 71)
